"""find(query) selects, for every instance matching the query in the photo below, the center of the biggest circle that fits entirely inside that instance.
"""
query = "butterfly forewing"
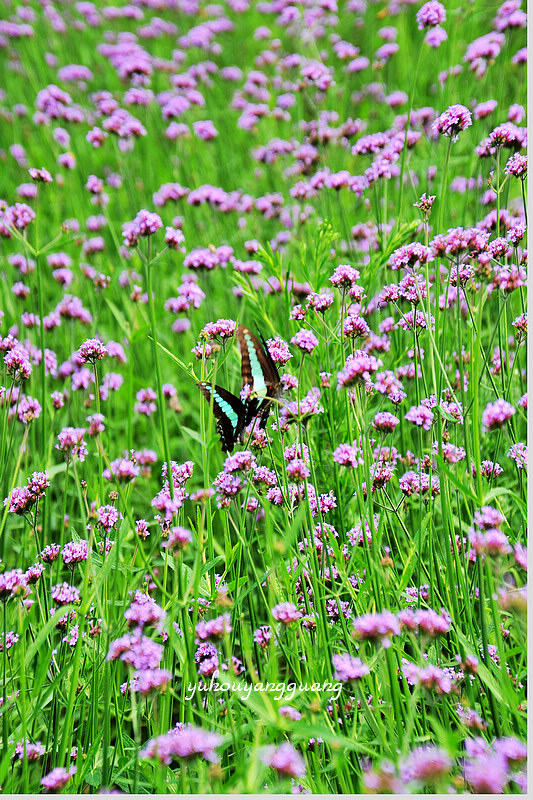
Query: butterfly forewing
(230, 413)
(257, 367)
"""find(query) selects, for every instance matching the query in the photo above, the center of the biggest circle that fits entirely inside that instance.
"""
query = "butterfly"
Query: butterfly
(262, 382)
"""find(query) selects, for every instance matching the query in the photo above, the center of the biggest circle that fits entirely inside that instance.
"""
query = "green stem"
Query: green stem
(485, 642)
(100, 462)
(4, 693)
(404, 148)
(42, 365)
(159, 386)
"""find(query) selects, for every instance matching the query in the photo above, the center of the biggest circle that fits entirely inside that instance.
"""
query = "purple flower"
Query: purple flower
(57, 778)
(412, 483)
(430, 677)
(344, 276)
(493, 542)
(425, 621)
(286, 613)
(34, 572)
(279, 350)
(8, 640)
(213, 628)
(144, 611)
(375, 627)
(94, 185)
(74, 552)
(178, 538)
(96, 137)
(145, 402)
(470, 717)
(122, 470)
(435, 37)
(12, 582)
(425, 203)
(70, 441)
(63, 594)
(96, 424)
(512, 749)
(507, 135)
(185, 742)
(426, 764)
(290, 712)
(146, 681)
(359, 367)
(305, 340)
(516, 166)
(355, 327)
(452, 121)
(497, 414)
(244, 460)
(385, 422)
(34, 750)
(348, 455)
(488, 517)
(348, 668)
(91, 350)
(285, 759)
(20, 501)
(483, 110)
(421, 416)
(145, 223)
(137, 650)
(383, 780)
(222, 328)
(486, 774)
(518, 453)
(206, 657)
(205, 130)
(28, 410)
(263, 635)
(415, 319)
(18, 216)
(40, 175)
(321, 301)
(431, 14)
(107, 516)
(38, 482)
(298, 470)
(50, 553)
(175, 239)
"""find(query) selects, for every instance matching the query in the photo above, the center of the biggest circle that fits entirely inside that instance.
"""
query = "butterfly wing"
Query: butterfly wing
(230, 413)
(257, 367)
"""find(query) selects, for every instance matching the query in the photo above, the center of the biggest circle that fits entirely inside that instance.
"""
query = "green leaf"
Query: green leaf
(194, 435)
(186, 368)
(41, 637)
(459, 484)
(123, 324)
(499, 492)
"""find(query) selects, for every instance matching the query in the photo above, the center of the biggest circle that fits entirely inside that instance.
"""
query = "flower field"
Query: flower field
(263, 437)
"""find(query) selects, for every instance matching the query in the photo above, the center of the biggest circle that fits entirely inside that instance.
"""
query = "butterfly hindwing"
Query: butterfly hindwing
(230, 413)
